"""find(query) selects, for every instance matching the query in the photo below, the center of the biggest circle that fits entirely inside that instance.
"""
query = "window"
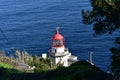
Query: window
(57, 42)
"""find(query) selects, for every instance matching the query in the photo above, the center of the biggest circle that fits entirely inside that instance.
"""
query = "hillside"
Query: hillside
(6, 70)
(80, 70)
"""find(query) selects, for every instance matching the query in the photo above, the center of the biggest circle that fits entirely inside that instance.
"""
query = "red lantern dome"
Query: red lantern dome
(57, 36)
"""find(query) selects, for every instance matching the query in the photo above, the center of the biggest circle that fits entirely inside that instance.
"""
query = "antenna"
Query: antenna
(57, 28)
(90, 53)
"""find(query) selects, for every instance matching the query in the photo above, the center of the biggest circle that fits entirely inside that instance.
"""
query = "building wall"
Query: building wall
(58, 50)
(63, 60)
(63, 54)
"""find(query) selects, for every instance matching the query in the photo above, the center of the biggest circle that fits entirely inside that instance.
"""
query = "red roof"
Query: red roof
(57, 36)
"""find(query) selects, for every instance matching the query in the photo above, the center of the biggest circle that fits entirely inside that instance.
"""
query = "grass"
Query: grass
(7, 70)
(5, 65)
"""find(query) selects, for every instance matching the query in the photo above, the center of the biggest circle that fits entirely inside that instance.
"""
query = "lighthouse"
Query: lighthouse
(57, 43)
(58, 52)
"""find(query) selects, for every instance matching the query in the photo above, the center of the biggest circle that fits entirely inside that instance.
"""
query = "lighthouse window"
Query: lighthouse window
(57, 43)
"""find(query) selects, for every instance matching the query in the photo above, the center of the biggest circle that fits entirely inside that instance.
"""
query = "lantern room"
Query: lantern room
(57, 40)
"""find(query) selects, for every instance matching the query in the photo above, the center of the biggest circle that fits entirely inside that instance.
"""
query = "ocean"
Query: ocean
(30, 24)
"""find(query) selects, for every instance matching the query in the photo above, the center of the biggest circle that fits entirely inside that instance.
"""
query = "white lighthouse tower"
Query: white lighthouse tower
(58, 53)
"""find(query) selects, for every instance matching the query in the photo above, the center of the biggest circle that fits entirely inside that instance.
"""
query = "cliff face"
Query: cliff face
(80, 70)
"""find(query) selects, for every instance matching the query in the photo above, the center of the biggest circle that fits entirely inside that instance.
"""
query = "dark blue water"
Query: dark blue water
(30, 24)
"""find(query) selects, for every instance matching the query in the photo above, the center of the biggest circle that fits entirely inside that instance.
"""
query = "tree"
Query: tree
(105, 17)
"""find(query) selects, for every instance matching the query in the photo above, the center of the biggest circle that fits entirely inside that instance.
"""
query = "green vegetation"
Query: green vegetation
(8, 60)
(80, 70)
(104, 16)
(6, 70)
(23, 60)
(75, 71)
(4, 65)
(38, 64)
(41, 64)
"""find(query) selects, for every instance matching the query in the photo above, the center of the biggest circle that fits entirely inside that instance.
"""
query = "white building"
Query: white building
(58, 53)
